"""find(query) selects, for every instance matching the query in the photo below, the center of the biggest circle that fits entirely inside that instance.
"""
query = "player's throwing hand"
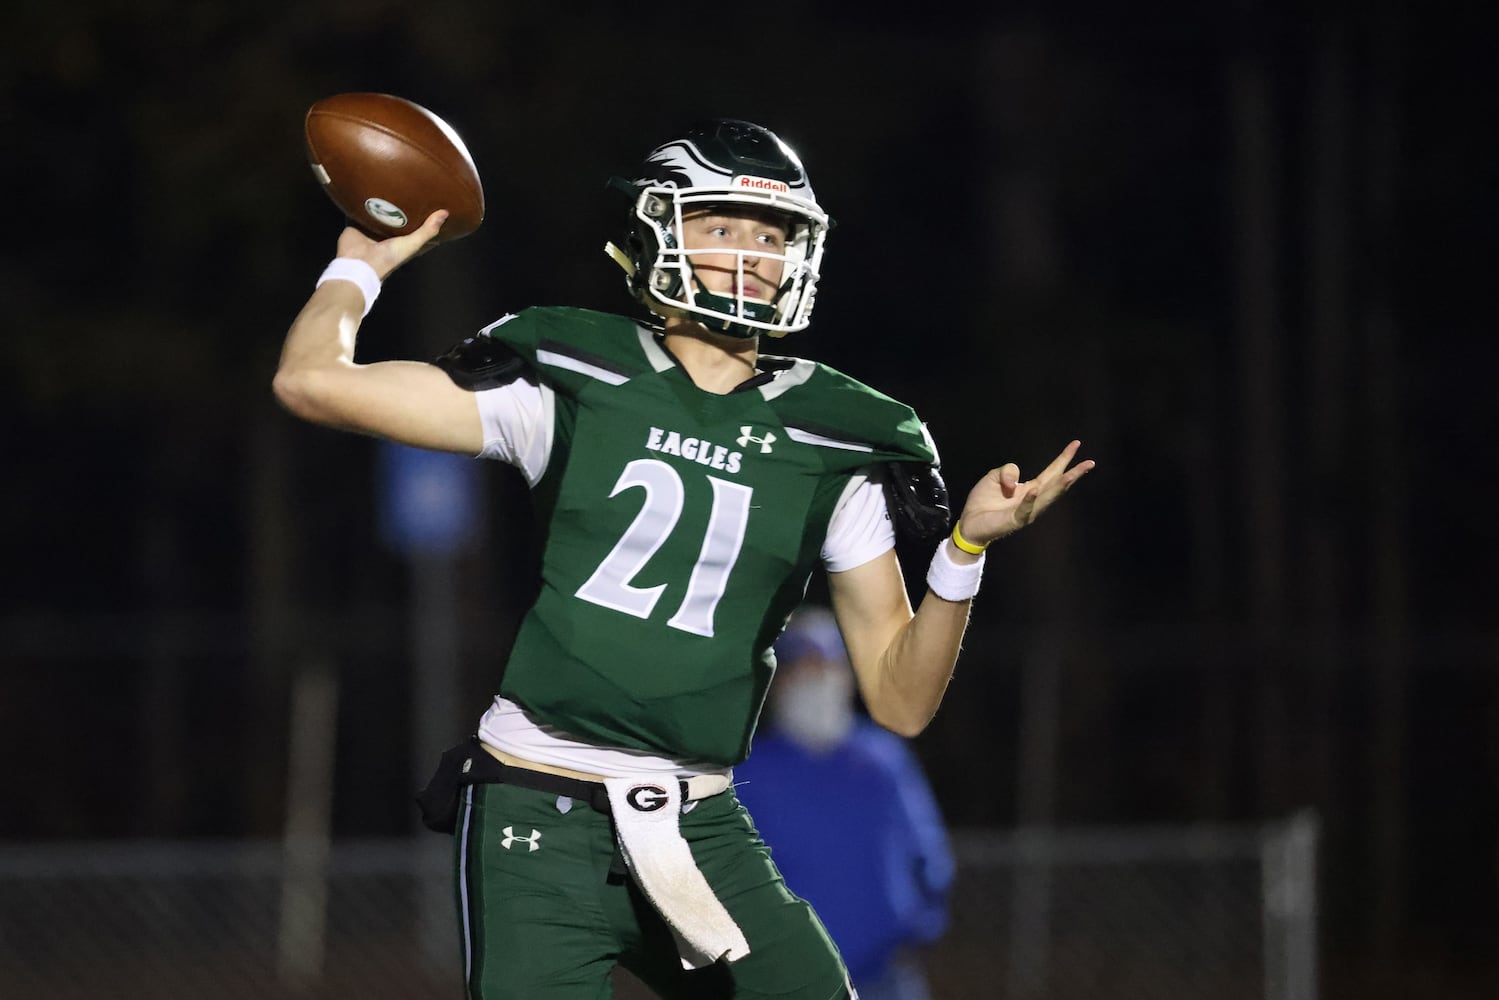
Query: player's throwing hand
(388, 254)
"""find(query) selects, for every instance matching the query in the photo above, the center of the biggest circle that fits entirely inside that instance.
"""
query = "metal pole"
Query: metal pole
(304, 886)
(1029, 970)
(436, 725)
(1288, 857)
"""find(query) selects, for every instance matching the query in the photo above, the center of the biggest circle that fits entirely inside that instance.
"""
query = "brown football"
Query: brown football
(389, 163)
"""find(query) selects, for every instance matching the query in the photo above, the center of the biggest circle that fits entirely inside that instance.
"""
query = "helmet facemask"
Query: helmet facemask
(726, 166)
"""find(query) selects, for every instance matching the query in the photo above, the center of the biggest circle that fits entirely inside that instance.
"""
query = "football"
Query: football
(388, 163)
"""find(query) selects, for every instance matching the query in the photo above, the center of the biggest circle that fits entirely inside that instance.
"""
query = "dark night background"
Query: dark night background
(1243, 251)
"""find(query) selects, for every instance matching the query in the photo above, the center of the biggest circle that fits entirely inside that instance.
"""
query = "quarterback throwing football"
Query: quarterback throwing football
(685, 486)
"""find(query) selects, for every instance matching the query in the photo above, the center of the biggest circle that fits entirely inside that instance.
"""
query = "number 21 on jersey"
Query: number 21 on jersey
(610, 585)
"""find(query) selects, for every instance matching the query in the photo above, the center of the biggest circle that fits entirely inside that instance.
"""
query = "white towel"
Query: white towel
(646, 811)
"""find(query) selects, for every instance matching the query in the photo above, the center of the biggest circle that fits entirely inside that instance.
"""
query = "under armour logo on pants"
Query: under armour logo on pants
(511, 838)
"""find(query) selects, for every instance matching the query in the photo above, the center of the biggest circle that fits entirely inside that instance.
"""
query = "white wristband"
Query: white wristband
(357, 271)
(950, 581)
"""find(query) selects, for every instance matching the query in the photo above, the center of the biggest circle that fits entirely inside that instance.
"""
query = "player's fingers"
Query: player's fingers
(429, 230)
(397, 250)
(1059, 464)
(1026, 512)
(1008, 476)
(423, 234)
(1077, 472)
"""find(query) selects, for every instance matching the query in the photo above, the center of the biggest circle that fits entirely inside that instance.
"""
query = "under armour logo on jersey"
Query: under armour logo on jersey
(745, 437)
(511, 838)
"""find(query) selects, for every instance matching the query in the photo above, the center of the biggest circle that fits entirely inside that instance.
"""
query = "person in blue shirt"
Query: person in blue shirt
(855, 827)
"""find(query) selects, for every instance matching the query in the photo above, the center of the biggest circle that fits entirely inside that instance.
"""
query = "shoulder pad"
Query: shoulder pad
(482, 362)
(917, 497)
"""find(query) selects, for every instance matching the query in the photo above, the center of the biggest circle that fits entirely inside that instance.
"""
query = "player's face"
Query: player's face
(718, 239)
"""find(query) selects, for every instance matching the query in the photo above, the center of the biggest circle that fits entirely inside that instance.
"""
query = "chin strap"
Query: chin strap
(621, 258)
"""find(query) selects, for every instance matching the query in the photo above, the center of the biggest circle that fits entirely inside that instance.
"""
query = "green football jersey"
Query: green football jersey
(679, 530)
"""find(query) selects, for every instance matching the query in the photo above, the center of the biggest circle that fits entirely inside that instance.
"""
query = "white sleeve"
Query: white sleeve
(517, 421)
(860, 527)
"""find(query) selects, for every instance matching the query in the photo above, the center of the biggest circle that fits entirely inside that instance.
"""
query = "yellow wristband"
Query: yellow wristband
(965, 544)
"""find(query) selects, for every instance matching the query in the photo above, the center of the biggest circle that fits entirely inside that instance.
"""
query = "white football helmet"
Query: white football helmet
(723, 162)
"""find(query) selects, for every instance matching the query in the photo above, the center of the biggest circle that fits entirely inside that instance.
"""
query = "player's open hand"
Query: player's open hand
(1002, 503)
(387, 255)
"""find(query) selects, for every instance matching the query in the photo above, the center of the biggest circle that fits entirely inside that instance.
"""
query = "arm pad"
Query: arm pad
(918, 499)
(482, 363)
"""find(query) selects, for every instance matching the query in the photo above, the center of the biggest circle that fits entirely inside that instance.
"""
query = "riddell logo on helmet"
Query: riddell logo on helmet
(761, 184)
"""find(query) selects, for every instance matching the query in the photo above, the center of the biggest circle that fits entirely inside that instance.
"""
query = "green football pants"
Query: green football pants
(546, 909)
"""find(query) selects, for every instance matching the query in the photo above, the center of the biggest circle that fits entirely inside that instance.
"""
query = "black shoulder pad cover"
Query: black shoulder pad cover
(917, 497)
(482, 363)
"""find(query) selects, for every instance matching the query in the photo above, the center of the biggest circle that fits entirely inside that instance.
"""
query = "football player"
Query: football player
(685, 486)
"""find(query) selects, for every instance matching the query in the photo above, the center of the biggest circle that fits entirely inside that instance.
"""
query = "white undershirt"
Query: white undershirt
(518, 430)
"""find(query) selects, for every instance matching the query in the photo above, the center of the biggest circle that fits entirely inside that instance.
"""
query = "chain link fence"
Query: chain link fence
(1169, 914)
(1145, 914)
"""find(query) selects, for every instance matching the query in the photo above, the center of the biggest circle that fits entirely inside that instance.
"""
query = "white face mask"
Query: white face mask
(814, 707)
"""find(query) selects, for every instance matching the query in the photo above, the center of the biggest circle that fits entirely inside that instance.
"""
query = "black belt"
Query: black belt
(469, 763)
(499, 773)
